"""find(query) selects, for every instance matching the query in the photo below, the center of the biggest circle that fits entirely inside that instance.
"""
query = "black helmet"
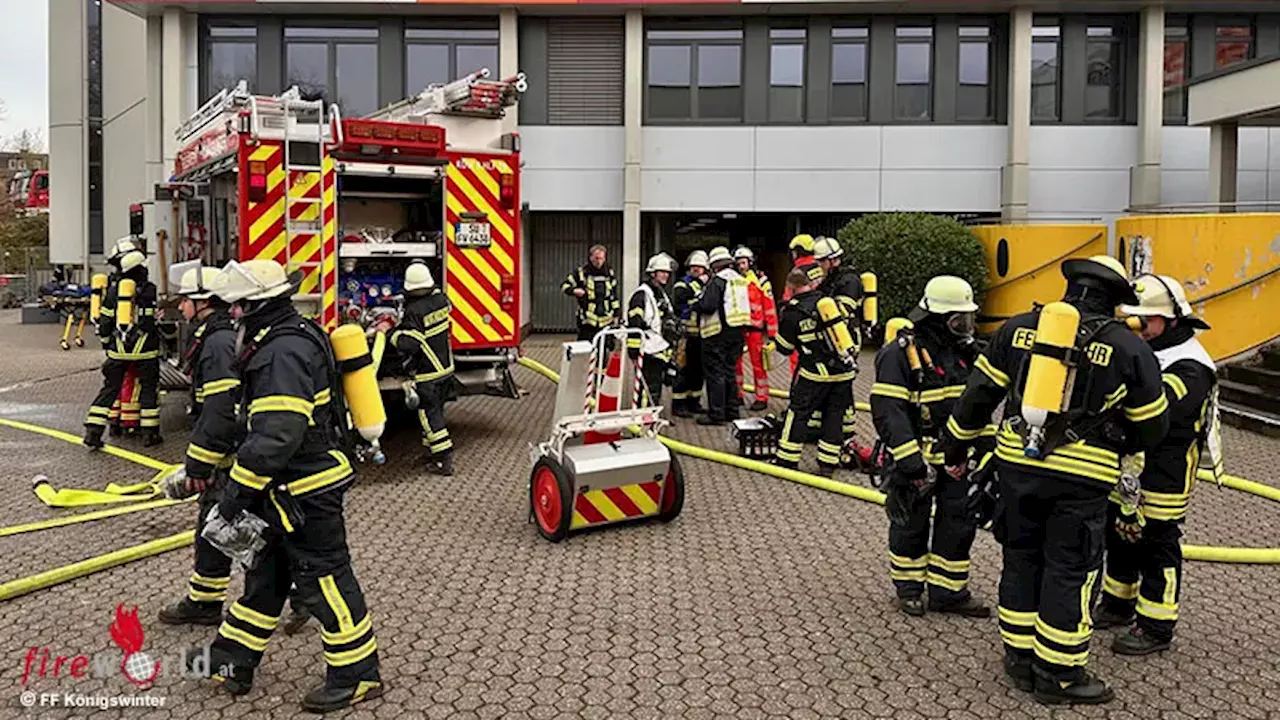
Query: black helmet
(1102, 272)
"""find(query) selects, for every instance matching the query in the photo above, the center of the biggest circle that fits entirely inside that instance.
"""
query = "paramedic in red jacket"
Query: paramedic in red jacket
(763, 329)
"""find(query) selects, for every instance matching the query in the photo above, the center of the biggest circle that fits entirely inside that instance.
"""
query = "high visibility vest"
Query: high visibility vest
(737, 298)
(764, 311)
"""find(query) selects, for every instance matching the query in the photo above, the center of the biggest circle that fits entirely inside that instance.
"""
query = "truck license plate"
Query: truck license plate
(472, 235)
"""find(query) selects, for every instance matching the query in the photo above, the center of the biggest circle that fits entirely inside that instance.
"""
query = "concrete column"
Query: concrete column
(68, 138)
(173, 76)
(633, 151)
(1015, 180)
(124, 112)
(1223, 155)
(1144, 187)
(155, 145)
(509, 58)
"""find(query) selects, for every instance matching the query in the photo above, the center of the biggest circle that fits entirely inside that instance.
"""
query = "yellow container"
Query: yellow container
(837, 329)
(359, 382)
(870, 303)
(1023, 265)
(98, 285)
(124, 302)
(895, 326)
(1047, 376)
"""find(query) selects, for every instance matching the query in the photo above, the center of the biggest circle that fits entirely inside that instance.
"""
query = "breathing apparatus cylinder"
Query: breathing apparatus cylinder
(895, 326)
(1046, 385)
(1135, 323)
(359, 382)
(835, 328)
(98, 283)
(870, 305)
(124, 302)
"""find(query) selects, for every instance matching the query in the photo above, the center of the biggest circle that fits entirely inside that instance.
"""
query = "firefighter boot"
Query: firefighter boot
(93, 437)
(185, 612)
(912, 605)
(826, 471)
(298, 618)
(1018, 669)
(759, 405)
(682, 408)
(1138, 642)
(327, 699)
(441, 464)
(1106, 616)
(968, 607)
(237, 680)
(151, 437)
(1078, 689)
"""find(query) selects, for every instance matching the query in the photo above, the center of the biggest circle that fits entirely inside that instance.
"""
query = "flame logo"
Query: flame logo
(137, 667)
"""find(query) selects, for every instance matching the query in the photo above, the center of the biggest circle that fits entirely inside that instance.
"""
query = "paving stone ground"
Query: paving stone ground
(763, 599)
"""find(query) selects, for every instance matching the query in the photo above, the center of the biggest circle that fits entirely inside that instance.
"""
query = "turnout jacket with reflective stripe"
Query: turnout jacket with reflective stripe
(684, 298)
(845, 287)
(601, 305)
(288, 402)
(799, 331)
(216, 386)
(422, 337)
(1118, 381)
(909, 412)
(142, 341)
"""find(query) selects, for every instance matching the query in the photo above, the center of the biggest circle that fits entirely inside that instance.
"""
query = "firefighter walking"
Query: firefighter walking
(1144, 558)
(724, 310)
(650, 310)
(762, 330)
(595, 286)
(290, 471)
(687, 394)
(824, 380)
(919, 376)
(1056, 469)
(127, 327)
(422, 338)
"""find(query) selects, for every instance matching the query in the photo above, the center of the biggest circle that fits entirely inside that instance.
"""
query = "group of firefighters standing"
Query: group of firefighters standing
(1108, 477)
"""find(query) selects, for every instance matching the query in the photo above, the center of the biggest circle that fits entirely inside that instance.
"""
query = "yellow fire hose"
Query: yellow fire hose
(66, 573)
(132, 457)
(1205, 553)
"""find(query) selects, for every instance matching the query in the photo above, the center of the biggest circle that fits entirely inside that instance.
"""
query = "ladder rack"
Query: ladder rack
(282, 113)
(471, 96)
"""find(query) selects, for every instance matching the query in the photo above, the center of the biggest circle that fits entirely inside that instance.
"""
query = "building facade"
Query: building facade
(667, 126)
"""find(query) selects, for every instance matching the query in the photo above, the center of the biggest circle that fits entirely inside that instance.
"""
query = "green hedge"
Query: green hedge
(905, 250)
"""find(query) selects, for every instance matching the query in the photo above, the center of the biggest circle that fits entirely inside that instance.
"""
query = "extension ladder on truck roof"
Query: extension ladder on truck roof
(470, 96)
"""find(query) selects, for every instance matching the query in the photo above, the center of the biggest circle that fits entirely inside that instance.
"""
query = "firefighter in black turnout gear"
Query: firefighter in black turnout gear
(824, 377)
(919, 376)
(842, 284)
(1055, 474)
(290, 473)
(724, 311)
(650, 310)
(595, 286)
(132, 341)
(1144, 559)
(687, 396)
(422, 339)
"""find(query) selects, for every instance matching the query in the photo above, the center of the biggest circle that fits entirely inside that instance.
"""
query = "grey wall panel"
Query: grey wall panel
(558, 244)
(390, 61)
(533, 63)
(585, 71)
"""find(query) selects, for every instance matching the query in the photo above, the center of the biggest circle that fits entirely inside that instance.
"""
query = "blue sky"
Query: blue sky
(24, 65)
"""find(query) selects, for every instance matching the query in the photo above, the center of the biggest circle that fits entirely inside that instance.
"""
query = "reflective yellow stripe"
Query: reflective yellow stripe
(329, 588)
(253, 617)
(1119, 590)
(996, 376)
(282, 403)
(1050, 655)
(955, 566)
(938, 394)
(1157, 611)
(943, 581)
(248, 478)
(203, 455)
(1175, 384)
(906, 562)
(216, 386)
(207, 596)
(237, 635)
(323, 397)
(351, 657)
(345, 636)
(1017, 617)
(905, 450)
(960, 433)
(1085, 628)
(1017, 640)
(311, 483)
(1061, 637)
(891, 391)
(1148, 411)
(209, 581)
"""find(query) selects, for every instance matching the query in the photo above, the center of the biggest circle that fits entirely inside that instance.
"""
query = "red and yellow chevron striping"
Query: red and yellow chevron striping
(597, 507)
(473, 276)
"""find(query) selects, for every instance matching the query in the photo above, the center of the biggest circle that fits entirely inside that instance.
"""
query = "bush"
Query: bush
(905, 250)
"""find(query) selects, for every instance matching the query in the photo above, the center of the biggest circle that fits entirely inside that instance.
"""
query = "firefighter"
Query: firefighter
(1055, 475)
(687, 397)
(650, 310)
(801, 248)
(135, 346)
(1144, 561)
(423, 341)
(824, 381)
(724, 310)
(762, 331)
(918, 378)
(126, 404)
(842, 284)
(290, 472)
(596, 288)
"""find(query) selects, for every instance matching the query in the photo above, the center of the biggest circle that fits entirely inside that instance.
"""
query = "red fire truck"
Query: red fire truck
(29, 192)
(350, 202)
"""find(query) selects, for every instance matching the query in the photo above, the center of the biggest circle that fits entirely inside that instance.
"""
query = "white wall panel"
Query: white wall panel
(1186, 165)
(1081, 171)
(124, 109)
(572, 168)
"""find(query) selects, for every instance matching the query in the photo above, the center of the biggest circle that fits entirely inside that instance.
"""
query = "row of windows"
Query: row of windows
(1233, 42)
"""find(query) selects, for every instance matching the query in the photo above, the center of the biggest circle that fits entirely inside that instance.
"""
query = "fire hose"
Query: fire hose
(1203, 553)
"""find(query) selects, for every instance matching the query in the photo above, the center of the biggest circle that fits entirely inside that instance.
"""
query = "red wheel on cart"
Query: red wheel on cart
(672, 492)
(551, 499)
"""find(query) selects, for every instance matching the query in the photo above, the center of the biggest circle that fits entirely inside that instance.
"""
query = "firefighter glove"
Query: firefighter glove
(410, 396)
(1129, 523)
(241, 539)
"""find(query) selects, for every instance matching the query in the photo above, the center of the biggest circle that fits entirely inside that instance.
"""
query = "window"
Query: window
(1103, 97)
(974, 97)
(1233, 43)
(440, 55)
(339, 65)
(849, 73)
(786, 75)
(231, 56)
(913, 70)
(1045, 71)
(1177, 47)
(695, 74)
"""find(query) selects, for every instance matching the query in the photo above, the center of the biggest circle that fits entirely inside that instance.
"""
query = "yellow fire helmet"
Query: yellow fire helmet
(801, 242)
(946, 294)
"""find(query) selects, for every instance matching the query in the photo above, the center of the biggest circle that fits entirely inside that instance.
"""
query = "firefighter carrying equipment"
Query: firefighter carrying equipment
(123, 246)
(359, 382)
(418, 277)
(99, 289)
(1103, 273)
(215, 385)
(835, 329)
(599, 305)
(252, 280)
(1050, 372)
(802, 243)
(687, 393)
(422, 340)
(826, 248)
(725, 301)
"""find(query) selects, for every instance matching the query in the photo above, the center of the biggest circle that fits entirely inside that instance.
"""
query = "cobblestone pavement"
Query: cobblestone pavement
(764, 599)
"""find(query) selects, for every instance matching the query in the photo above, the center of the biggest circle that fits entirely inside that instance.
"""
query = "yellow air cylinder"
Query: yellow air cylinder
(124, 302)
(895, 326)
(359, 382)
(98, 283)
(1047, 376)
(1135, 323)
(870, 304)
(837, 329)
